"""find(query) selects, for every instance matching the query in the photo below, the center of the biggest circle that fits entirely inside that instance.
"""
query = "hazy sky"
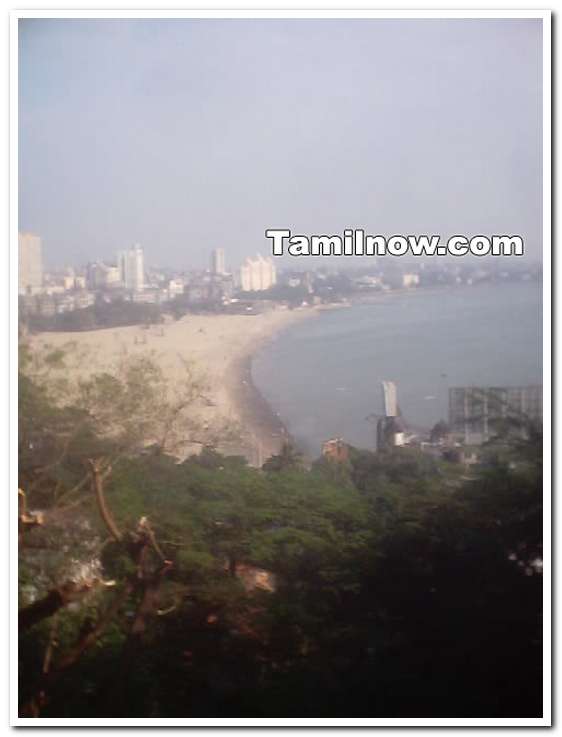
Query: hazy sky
(185, 135)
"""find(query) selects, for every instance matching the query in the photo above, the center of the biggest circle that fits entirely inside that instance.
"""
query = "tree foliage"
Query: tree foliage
(117, 313)
(390, 586)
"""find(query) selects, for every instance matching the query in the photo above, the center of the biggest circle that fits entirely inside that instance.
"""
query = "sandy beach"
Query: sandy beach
(220, 348)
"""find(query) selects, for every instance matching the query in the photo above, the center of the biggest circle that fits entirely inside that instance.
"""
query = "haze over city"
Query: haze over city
(188, 135)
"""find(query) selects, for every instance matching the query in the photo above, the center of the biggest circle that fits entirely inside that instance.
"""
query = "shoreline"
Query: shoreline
(266, 432)
(221, 348)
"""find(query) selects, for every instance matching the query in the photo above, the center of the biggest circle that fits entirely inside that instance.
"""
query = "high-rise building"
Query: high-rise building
(257, 275)
(218, 261)
(30, 273)
(131, 268)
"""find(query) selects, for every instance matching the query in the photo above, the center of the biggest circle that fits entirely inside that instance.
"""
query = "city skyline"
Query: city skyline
(168, 133)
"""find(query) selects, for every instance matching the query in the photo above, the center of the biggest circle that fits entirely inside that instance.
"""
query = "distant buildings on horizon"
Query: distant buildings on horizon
(254, 275)
(48, 294)
(257, 274)
(220, 287)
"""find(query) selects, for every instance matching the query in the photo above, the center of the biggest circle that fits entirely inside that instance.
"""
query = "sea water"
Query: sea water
(323, 376)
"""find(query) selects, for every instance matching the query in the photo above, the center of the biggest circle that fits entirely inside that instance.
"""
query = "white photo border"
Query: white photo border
(261, 13)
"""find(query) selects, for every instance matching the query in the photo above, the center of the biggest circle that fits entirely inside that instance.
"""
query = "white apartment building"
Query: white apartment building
(257, 274)
(131, 268)
(30, 270)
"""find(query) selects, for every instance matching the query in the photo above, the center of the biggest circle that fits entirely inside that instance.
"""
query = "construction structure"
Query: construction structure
(390, 427)
(477, 414)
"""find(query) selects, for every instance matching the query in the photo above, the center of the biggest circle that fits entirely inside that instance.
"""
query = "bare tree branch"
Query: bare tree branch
(97, 478)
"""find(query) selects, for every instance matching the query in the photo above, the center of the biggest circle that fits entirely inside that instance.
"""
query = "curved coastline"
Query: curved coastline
(220, 347)
(264, 431)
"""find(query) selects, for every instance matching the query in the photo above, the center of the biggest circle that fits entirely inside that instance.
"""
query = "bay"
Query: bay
(323, 376)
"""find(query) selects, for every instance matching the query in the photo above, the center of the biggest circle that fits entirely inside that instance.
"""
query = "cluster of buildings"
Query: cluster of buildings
(126, 273)
(476, 416)
(219, 286)
(127, 278)
(255, 282)
(49, 294)
(391, 275)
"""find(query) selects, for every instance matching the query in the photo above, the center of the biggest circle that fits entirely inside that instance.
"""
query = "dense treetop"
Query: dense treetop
(395, 585)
